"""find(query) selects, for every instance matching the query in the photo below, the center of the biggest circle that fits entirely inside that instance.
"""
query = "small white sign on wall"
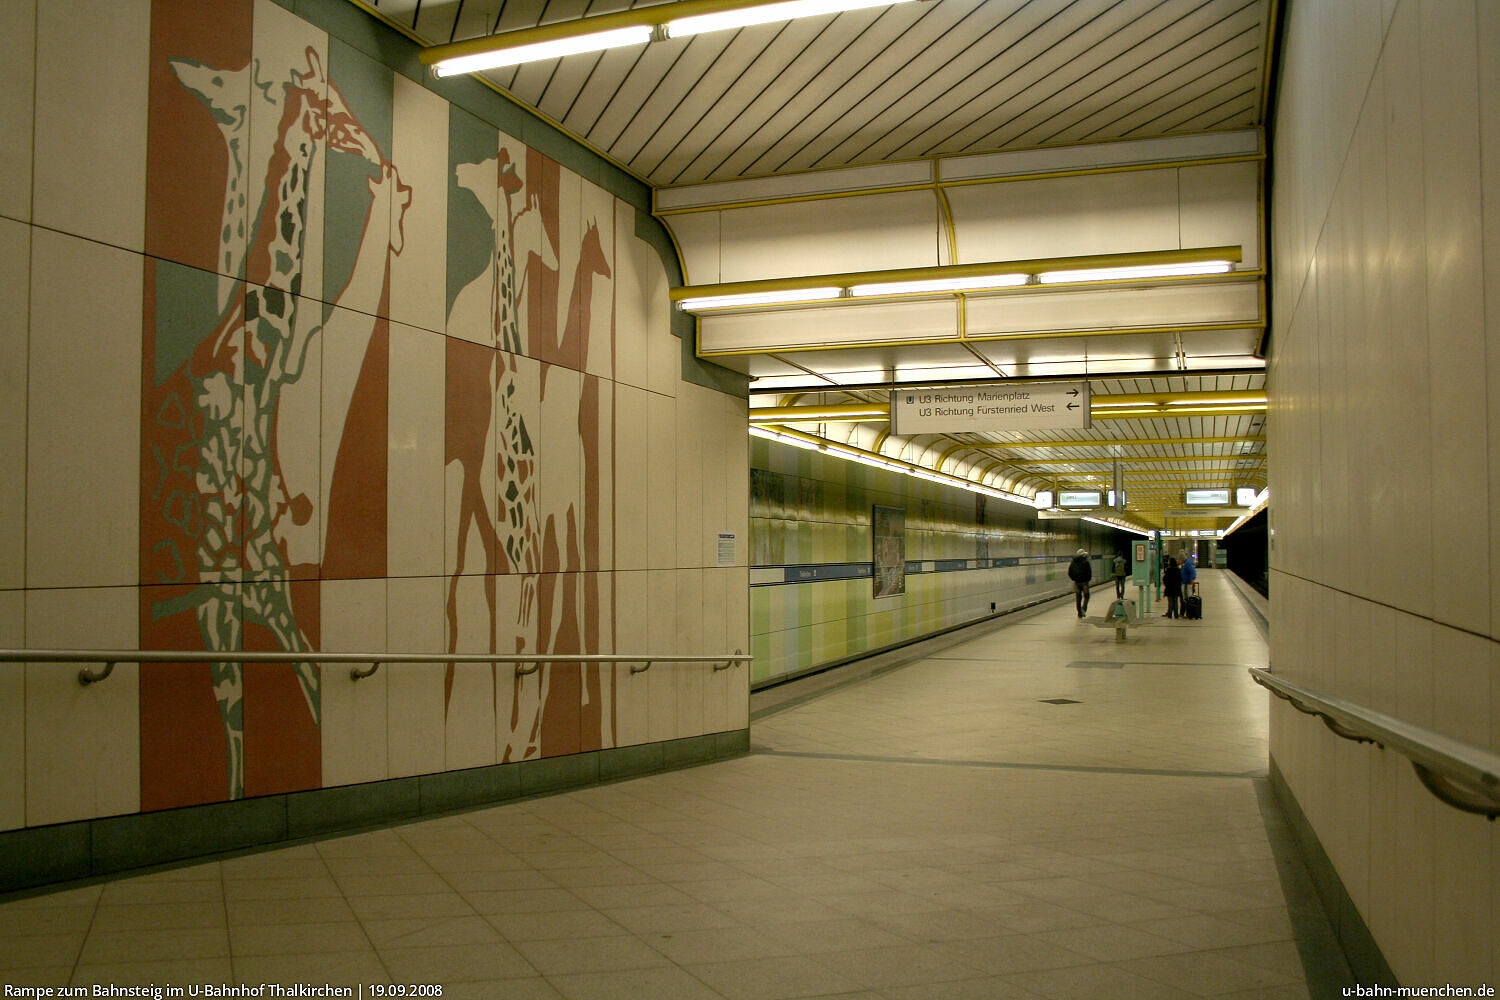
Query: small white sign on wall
(727, 543)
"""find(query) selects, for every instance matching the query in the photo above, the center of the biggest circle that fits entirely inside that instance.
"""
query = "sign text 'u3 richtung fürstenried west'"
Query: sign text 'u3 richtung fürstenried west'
(990, 407)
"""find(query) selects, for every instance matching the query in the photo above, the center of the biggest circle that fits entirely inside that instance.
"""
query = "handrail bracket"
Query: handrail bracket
(90, 676)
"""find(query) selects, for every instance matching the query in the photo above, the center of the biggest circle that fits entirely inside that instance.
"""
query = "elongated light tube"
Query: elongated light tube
(637, 35)
(746, 16)
(938, 285)
(759, 299)
(1141, 271)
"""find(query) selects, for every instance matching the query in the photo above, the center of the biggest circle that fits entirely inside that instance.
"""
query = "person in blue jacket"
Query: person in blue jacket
(1189, 575)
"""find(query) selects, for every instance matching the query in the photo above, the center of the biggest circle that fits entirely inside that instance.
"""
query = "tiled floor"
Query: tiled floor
(934, 831)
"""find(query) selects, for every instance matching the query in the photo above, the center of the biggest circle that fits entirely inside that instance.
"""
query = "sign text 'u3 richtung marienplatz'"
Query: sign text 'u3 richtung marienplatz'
(995, 406)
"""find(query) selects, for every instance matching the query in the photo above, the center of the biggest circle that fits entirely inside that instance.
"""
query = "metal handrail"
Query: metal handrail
(1462, 775)
(109, 657)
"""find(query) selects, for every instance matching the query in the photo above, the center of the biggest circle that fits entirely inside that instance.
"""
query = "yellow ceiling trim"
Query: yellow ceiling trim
(1141, 459)
(1125, 168)
(982, 338)
(1098, 400)
(1036, 265)
(1130, 442)
(881, 189)
(1180, 412)
(1192, 404)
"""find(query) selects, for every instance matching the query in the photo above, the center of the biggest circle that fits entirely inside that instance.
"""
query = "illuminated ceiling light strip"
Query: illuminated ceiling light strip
(744, 17)
(1139, 271)
(556, 48)
(948, 278)
(1183, 411)
(1122, 527)
(1262, 499)
(774, 298)
(977, 283)
(783, 438)
(636, 26)
(896, 465)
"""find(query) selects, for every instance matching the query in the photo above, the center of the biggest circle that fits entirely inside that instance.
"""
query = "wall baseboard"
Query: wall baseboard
(42, 856)
(1365, 960)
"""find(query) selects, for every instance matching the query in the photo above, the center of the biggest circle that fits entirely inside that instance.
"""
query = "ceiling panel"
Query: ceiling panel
(910, 80)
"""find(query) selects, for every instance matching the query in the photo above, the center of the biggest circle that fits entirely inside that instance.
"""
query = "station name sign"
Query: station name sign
(994, 406)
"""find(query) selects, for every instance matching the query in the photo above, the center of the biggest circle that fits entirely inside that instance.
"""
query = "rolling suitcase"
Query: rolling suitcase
(1192, 606)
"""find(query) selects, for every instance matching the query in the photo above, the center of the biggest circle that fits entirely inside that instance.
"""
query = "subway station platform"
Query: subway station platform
(1024, 808)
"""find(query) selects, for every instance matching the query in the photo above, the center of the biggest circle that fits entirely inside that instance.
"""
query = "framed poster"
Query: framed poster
(889, 524)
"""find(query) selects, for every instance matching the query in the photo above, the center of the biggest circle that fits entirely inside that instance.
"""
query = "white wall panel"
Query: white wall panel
(1220, 206)
(640, 299)
(82, 741)
(15, 288)
(12, 713)
(843, 324)
(718, 685)
(1067, 216)
(863, 233)
(1381, 288)
(631, 521)
(83, 434)
(632, 635)
(17, 105)
(1115, 308)
(691, 679)
(1100, 154)
(694, 440)
(661, 478)
(661, 637)
(90, 152)
(1455, 315)
(699, 242)
(1489, 138)
(354, 721)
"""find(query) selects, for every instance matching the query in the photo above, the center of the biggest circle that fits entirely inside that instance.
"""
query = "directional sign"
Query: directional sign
(994, 406)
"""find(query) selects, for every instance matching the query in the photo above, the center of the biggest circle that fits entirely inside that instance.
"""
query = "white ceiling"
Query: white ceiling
(922, 79)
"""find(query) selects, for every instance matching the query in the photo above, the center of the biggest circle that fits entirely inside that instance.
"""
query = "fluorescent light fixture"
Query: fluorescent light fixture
(1200, 409)
(978, 283)
(783, 438)
(1140, 271)
(775, 298)
(1122, 527)
(593, 42)
(746, 16)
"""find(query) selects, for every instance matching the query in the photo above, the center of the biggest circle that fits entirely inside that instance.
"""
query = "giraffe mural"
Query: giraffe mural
(232, 384)
(545, 543)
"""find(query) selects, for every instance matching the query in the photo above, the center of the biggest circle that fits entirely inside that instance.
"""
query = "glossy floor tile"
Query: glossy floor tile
(1026, 810)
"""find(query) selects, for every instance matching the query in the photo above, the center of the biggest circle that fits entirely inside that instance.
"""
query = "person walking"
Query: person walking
(1082, 574)
(1119, 574)
(1172, 582)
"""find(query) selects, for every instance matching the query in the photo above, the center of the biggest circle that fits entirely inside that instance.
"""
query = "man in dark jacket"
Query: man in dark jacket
(1081, 573)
